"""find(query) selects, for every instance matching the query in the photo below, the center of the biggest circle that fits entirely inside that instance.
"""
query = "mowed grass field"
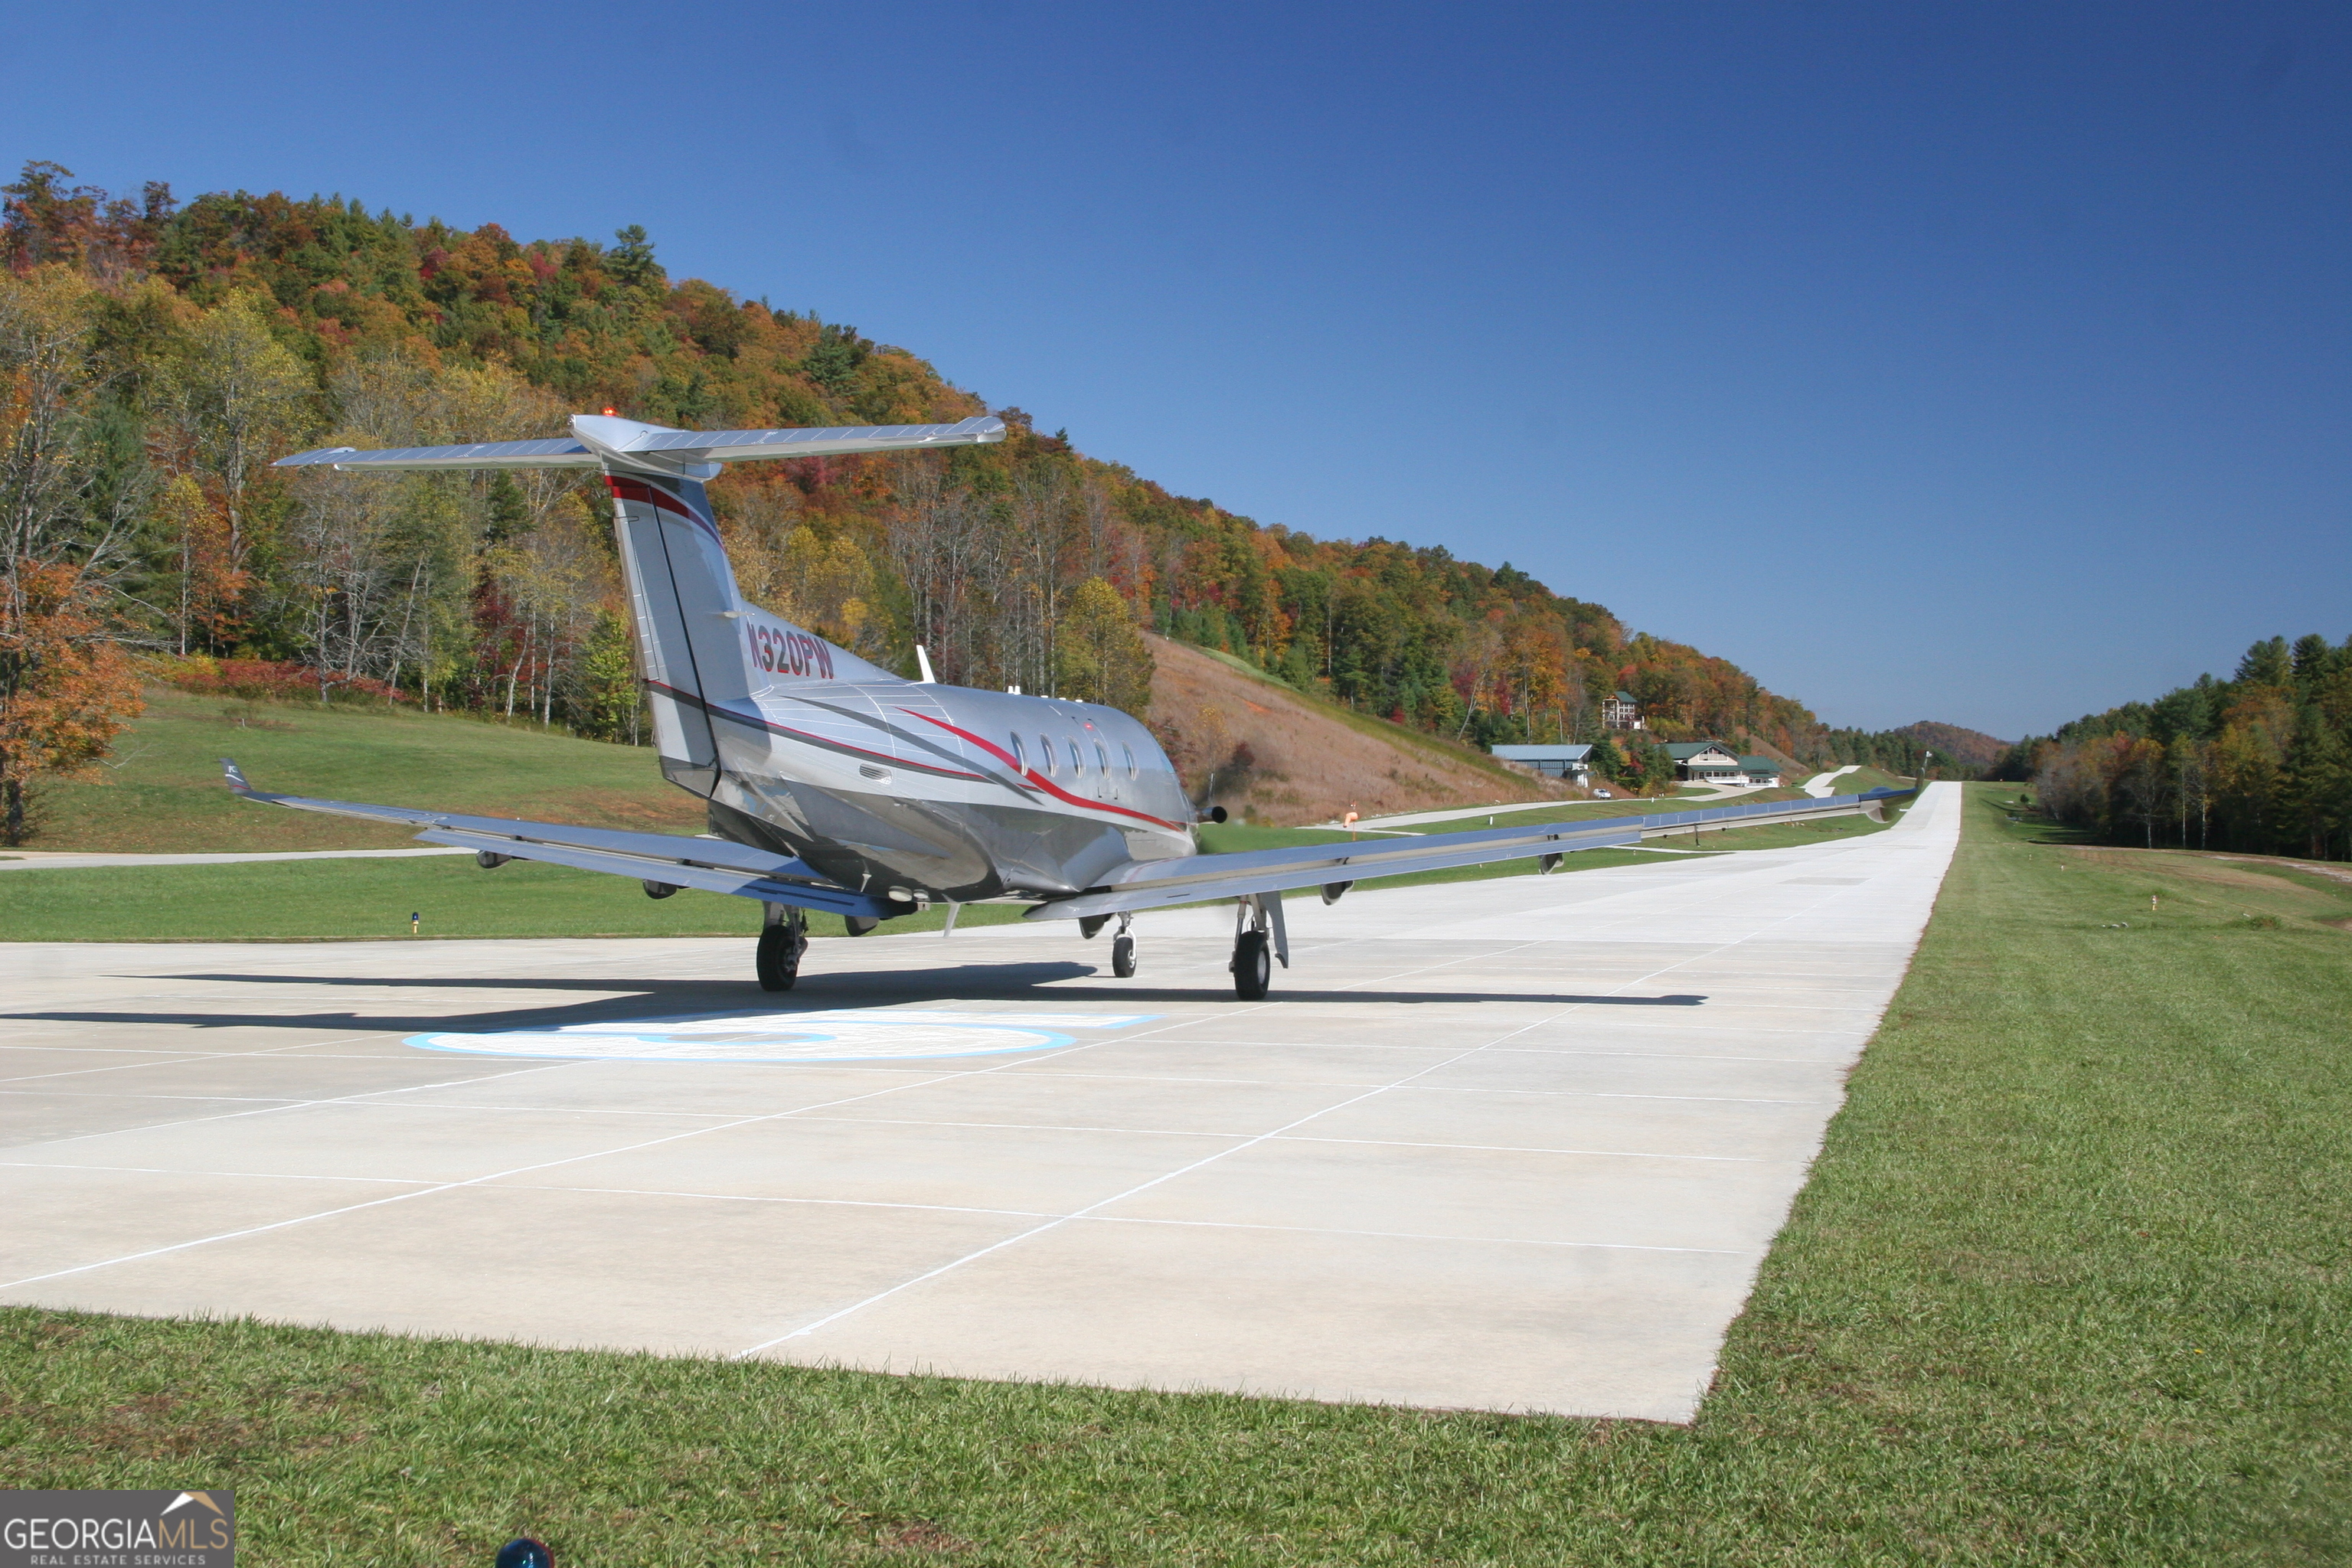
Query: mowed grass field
(346, 899)
(163, 792)
(2069, 1285)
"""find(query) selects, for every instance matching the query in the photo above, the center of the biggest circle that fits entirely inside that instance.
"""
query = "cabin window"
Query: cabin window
(1130, 760)
(1046, 755)
(1077, 762)
(1019, 758)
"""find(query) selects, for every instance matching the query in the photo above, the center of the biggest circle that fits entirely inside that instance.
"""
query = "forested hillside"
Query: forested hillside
(160, 355)
(2259, 762)
(1960, 753)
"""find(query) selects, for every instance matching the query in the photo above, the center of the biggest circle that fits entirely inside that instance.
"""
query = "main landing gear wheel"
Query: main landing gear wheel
(1253, 966)
(1122, 956)
(781, 943)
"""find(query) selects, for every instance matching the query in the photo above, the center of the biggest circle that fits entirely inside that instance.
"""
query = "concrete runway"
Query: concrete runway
(1509, 1146)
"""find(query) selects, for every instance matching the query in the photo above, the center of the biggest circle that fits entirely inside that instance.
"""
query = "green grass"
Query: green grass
(164, 793)
(2068, 1286)
(1865, 779)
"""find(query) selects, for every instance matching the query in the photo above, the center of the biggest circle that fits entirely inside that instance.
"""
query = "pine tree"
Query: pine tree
(2316, 785)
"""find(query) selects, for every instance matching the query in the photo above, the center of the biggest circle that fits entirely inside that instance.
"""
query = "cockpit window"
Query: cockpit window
(1130, 760)
(1078, 762)
(1102, 757)
(1045, 753)
(1019, 759)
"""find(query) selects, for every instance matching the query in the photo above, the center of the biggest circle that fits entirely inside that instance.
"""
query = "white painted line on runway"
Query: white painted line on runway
(224, 1175)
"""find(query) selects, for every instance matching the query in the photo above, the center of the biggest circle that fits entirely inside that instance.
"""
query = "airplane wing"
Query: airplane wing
(1195, 878)
(713, 865)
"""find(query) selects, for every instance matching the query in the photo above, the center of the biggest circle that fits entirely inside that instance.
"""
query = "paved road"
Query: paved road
(1823, 785)
(1510, 1145)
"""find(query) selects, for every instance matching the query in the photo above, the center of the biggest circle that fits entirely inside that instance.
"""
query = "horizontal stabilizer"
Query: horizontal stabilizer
(1196, 878)
(713, 865)
(742, 446)
(562, 452)
(602, 441)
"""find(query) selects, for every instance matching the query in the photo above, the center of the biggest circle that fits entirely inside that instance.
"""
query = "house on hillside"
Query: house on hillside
(1760, 770)
(1621, 713)
(1574, 763)
(1705, 762)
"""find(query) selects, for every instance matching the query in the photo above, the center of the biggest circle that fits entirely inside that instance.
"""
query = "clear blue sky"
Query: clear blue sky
(1979, 363)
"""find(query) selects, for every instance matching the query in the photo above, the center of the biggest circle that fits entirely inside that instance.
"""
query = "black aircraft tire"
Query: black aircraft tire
(1253, 966)
(779, 957)
(1122, 957)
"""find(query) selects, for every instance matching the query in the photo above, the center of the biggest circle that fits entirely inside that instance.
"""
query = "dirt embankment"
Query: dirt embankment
(1286, 759)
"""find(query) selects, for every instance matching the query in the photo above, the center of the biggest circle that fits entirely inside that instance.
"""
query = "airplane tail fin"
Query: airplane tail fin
(703, 651)
(700, 647)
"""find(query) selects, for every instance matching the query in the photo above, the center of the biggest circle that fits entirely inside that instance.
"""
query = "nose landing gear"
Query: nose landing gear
(1122, 944)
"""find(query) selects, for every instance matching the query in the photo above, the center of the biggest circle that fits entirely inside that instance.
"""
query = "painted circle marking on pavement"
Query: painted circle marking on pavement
(841, 1035)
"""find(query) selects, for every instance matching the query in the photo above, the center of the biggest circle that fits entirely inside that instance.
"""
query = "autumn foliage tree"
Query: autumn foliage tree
(1103, 658)
(65, 686)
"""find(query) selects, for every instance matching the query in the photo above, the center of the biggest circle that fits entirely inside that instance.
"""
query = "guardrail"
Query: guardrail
(1756, 814)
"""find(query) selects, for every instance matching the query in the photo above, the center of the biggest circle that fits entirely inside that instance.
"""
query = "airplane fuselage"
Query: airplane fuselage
(944, 791)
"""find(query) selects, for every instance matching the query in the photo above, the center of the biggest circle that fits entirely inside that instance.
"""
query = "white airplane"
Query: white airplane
(832, 785)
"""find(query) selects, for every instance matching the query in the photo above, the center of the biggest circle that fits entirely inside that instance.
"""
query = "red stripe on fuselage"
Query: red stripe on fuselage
(722, 710)
(1033, 776)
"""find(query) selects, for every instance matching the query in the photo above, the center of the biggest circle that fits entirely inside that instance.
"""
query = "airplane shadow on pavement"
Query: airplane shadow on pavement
(1036, 983)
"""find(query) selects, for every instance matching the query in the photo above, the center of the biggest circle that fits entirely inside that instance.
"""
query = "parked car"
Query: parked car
(1602, 795)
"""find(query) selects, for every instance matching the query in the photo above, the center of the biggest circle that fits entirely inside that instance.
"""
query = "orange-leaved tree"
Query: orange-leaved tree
(66, 687)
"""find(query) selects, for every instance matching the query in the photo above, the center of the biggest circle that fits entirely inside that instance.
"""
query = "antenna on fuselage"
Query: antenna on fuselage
(924, 660)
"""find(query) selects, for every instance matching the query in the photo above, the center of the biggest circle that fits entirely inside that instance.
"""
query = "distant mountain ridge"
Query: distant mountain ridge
(1959, 753)
(1970, 748)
